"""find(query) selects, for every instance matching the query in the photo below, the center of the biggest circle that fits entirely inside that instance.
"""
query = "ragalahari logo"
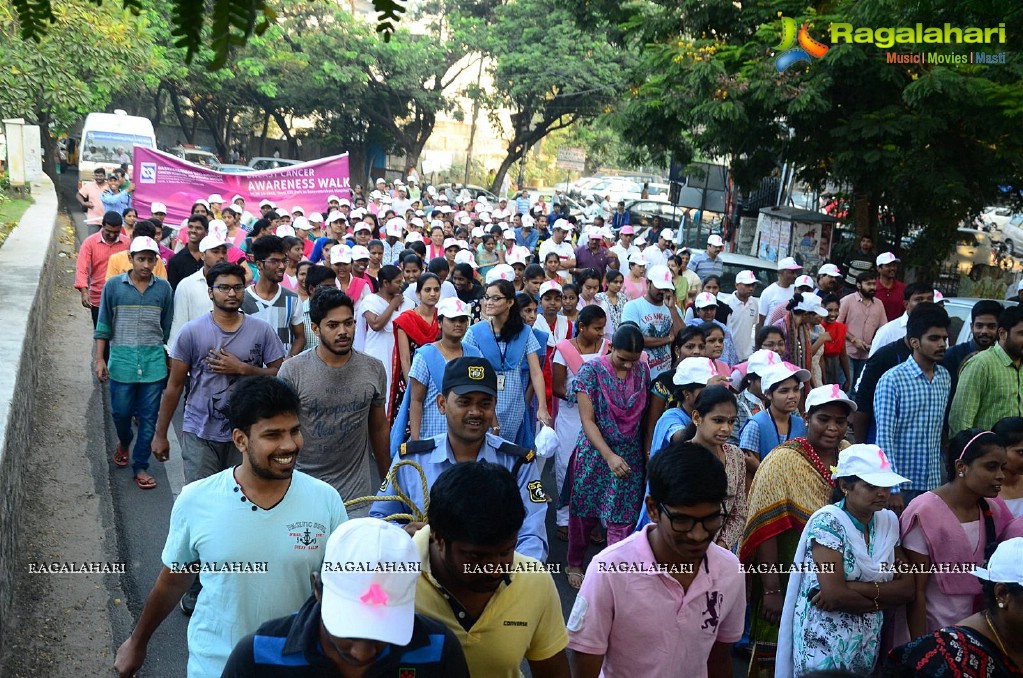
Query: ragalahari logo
(796, 46)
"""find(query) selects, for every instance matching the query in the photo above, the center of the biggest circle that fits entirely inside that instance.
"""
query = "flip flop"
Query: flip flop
(120, 457)
(145, 481)
(575, 577)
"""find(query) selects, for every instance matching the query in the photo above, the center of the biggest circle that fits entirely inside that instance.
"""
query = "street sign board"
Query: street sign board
(572, 159)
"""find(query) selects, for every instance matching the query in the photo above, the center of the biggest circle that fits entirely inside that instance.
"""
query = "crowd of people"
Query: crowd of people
(809, 477)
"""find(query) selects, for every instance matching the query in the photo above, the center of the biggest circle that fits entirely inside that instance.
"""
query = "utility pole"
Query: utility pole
(475, 116)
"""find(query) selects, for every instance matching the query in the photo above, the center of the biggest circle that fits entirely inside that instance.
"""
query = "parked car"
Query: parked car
(475, 192)
(235, 169)
(197, 156)
(642, 213)
(765, 271)
(974, 247)
(1011, 233)
(959, 309)
(997, 217)
(265, 163)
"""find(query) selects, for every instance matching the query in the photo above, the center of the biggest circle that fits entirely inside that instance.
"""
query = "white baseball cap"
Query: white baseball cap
(416, 221)
(637, 258)
(335, 216)
(449, 242)
(297, 209)
(359, 252)
(233, 209)
(210, 242)
(939, 298)
(830, 393)
(464, 220)
(527, 221)
(215, 198)
(158, 208)
(667, 234)
(218, 228)
(453, 307)
(550, 286)
(640, 241)
(715, 241)
(334, 198)
(746, 278)
(694, 371)
(501, 272)
(266, 203)
(660, 276)
(516, 257)
(868, 463)
(811, 303)
(357, 213)
(465, 257)
(463, 245)
(284, 231)
(478, 232)
(705, 299)
(361, 226)
(886, 258)
(144, 243)
(380, 180)
(562, 224)
(301, 224)
(395, 227)
(595, 234)
(508, 235)
(341, 254)
(376, 603)
(1005, 565)
(805, 281)
(344, 202)
(830, 269)
(789, 264)
(412, 237)
(315, 218)
(236, 198)
(761, 361)
(779, 373)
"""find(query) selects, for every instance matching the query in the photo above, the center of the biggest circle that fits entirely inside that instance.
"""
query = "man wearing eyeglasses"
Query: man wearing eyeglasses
(269, 301)
(667, 588)
(212, 352)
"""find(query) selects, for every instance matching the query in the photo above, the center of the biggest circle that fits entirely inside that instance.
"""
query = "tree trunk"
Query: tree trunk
(50, 152)
(187, 129)
(266, 128)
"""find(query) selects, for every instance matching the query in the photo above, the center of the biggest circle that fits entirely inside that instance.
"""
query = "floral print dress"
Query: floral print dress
(833, 640)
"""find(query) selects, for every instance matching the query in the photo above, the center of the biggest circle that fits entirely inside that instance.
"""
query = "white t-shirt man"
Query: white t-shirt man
(655, 256)
(741, 323)
(564, 251)
(773, 295)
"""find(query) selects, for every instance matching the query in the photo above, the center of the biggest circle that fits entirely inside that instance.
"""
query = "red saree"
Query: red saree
(419, 333)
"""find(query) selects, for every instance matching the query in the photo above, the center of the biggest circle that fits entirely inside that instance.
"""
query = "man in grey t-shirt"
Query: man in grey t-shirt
(342, 393)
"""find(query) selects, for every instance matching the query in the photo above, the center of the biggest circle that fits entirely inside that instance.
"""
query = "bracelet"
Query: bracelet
(771, 593)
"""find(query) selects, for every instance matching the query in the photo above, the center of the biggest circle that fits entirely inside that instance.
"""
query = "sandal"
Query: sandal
(120, 457)
(145, 481)
(563, 532)
(575, 576)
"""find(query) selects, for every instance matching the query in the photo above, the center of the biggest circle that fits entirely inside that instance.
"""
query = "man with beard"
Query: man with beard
(909, 406)
(665, 582)
(864, 315)
(343, 394)
(468, 401)
(267, 300)
(93, 257)
(212, 352)
(989, 383)
(984, 330)
(500, 604)
(188, 260)
(241, 530)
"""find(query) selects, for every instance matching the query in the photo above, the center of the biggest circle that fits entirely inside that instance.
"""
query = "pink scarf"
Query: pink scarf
(625, 398)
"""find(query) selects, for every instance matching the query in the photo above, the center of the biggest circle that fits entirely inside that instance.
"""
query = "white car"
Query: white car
(996, 216)
(1012, 234)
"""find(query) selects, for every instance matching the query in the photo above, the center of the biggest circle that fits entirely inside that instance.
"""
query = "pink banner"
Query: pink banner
(160, 177)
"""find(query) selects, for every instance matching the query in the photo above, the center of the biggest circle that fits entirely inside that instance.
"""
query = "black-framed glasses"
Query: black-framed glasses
(494, 299)
(275, 262)
(683, 524)
(227, 289)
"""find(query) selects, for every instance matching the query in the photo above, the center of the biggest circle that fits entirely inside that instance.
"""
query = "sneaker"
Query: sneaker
(187, 603)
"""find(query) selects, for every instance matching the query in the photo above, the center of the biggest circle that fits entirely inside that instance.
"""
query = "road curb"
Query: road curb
(27, 273)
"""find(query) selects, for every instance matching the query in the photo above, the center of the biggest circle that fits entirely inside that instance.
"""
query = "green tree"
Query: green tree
(920, 145)
(88, 54)
(548, 72)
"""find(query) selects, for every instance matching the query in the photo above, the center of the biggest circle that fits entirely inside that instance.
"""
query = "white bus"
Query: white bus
(108, 140)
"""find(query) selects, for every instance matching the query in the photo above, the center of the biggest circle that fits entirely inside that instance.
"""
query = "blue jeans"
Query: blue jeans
(136, 400)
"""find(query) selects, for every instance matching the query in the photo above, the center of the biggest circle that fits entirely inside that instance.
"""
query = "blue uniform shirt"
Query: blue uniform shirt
(438, 457)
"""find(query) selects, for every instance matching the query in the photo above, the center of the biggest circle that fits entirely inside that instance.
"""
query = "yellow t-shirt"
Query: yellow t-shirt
(119, 263)
(523, 619)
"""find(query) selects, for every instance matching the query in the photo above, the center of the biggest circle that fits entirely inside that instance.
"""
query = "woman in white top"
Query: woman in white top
(569, 355)
(374, 321)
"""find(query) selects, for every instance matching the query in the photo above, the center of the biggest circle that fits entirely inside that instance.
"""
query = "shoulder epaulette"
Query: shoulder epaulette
(417, 446)
(524, 453)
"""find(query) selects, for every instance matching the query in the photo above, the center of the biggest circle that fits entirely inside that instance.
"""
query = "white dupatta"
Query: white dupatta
(866, 568)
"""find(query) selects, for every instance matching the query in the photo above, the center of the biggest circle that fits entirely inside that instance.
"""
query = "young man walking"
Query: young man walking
(267, 300)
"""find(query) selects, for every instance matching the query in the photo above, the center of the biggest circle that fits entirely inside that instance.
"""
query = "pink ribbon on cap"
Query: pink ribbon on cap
(374, 596)
(885, 464)
(770, 358)
(836, 392)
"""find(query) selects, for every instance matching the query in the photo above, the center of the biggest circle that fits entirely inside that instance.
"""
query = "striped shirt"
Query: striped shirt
(909, 410)
(990, 389)
(137, 325)
(282, 312)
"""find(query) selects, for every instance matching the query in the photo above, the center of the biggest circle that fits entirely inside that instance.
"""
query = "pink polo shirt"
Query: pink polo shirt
(644, 623)
(863, 320)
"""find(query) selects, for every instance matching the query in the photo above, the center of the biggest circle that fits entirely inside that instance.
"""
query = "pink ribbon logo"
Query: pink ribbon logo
(374, 596)
(771, 355)
(885, 464)
(836, 392)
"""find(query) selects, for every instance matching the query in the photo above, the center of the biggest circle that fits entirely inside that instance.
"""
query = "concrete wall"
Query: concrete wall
(27, 265)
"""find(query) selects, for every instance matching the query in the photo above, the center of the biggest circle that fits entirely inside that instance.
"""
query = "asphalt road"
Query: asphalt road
(141, 519)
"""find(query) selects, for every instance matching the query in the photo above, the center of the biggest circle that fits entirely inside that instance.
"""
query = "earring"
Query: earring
(1001, 604)
(962, 475)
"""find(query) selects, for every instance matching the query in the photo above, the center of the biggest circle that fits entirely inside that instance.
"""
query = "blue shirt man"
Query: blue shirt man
(620, 217)
(528, 237)
(709, 263)
(469, 403)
